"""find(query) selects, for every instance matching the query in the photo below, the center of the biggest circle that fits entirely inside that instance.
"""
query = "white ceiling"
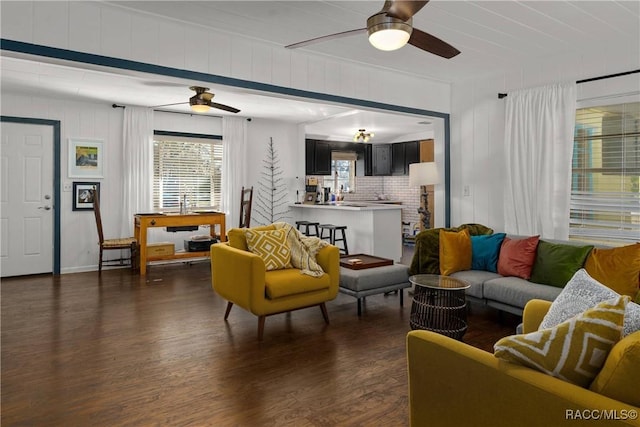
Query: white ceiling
(492, 35)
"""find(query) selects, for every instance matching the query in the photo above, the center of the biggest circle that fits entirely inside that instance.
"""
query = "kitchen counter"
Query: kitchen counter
(355, 205)
(372, 228)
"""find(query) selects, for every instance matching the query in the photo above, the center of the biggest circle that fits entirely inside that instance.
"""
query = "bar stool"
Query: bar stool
(306, 225)
(332, 235)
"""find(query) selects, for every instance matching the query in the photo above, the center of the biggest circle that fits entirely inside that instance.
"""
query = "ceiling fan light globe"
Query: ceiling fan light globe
(200, 108)
(388, 33)
(389, 39)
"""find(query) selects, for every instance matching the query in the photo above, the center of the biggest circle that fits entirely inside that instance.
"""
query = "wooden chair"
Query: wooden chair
(246, 198)
(129, 243)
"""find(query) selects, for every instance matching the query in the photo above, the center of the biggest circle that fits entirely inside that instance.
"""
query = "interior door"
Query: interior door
(26, 199)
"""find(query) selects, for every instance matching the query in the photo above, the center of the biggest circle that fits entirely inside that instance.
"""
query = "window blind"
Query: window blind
(187, 168)
(605, 193)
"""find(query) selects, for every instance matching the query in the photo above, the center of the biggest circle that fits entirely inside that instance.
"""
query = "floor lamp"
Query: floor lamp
(421, 175)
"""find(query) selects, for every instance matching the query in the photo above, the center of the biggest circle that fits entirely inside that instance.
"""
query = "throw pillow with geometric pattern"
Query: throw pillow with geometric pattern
(583, 292)
(271, 246)
(575, 350)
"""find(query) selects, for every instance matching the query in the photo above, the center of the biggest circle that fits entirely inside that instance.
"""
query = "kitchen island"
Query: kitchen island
(373, 229)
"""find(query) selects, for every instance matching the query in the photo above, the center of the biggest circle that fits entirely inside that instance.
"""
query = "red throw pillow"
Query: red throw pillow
(517, 257)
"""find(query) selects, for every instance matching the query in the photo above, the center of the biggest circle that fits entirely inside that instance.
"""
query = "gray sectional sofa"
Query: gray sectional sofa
(508, 294)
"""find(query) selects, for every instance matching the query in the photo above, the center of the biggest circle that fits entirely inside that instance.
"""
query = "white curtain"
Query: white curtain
(137, 165)
(234, 170)
(539, 128)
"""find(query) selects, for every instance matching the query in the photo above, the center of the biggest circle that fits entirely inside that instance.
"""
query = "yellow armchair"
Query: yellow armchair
(454, 384)
(240, 277)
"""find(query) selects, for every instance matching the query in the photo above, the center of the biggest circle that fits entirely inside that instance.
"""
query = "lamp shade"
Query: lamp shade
(425, 173)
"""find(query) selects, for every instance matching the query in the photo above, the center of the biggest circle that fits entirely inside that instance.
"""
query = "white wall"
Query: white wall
(112, 31)
(289, 148)
(477, 123)
(79, 249)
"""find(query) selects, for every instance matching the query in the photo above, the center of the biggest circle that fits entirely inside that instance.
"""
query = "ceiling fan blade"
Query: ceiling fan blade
(403, 9)
(432, 44)
(169, 105)
(326, 38)
(224, 107)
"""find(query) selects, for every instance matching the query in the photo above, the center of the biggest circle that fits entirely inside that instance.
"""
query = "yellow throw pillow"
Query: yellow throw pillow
(237, 238)
(271, 246)
(455, 251)
(573, 351)
(620, 375)
(617, 268)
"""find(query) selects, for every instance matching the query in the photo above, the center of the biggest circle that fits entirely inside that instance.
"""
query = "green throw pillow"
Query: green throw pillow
(556, 263)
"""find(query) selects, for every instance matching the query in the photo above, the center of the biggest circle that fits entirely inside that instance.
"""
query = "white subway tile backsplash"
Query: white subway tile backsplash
(393, 187)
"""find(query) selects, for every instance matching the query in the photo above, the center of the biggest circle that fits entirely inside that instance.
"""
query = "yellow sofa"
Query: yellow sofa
(454, 384)
(240, 277)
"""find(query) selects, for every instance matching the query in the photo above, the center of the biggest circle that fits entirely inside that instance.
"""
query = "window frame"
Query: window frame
(215, 193)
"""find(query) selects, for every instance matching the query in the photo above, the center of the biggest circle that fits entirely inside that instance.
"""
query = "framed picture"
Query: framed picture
(86, 158)
(309, 198)
(82, 196)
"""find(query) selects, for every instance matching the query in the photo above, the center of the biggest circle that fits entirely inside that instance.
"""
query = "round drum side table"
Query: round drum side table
(439, 305)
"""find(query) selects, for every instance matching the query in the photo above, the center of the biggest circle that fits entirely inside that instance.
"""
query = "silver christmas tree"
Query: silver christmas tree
(271, 203)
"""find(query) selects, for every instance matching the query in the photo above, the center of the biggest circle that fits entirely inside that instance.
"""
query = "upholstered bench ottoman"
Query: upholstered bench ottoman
(372, 281)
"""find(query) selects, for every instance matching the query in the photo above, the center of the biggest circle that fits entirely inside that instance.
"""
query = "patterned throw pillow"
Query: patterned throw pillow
(271, 246)
(573, 351)
(581, 293)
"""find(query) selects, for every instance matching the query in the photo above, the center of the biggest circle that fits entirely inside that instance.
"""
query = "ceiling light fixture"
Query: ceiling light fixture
(388, 33)
(199, 105)
(363, 136)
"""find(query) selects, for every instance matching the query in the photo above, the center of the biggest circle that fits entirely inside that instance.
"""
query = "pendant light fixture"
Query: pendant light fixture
(362, 136)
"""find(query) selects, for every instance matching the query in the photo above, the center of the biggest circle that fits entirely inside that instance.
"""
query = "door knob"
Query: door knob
(46, 208)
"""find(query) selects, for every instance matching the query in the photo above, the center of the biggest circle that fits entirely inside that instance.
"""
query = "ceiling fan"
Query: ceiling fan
(392, 28)
(201, 101)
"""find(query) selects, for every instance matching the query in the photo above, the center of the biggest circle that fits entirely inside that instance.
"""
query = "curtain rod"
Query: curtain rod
(172, 112)
(592, 79)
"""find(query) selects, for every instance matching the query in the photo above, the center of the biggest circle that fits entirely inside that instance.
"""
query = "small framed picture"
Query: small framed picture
(309, 198)
(82, 195)
(86, 158)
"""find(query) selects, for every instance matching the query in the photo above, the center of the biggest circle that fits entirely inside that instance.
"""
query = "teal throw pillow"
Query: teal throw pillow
(556, 263)
(485, 251)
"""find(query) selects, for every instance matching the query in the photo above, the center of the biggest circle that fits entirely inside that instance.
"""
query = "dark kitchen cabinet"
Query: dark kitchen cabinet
(368, 160)
(317, 157)
(411, 154)
(402, 155)
(397, 159)
(323, 158)
(381, 159)
(310, 156)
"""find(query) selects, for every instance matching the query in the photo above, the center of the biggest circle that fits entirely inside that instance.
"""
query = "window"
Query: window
(186, 167)
(343, 172)
(605, 193)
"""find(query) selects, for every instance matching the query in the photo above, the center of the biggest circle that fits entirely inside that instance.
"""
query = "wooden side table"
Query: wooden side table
(439, 305)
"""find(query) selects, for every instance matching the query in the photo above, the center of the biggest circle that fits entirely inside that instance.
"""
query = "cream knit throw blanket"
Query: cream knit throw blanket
(303, 250)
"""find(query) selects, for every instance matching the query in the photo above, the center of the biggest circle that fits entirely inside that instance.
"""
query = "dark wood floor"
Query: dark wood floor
(79, 350)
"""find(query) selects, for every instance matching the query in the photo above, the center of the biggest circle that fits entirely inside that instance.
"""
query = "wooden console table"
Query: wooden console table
(143, 221)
